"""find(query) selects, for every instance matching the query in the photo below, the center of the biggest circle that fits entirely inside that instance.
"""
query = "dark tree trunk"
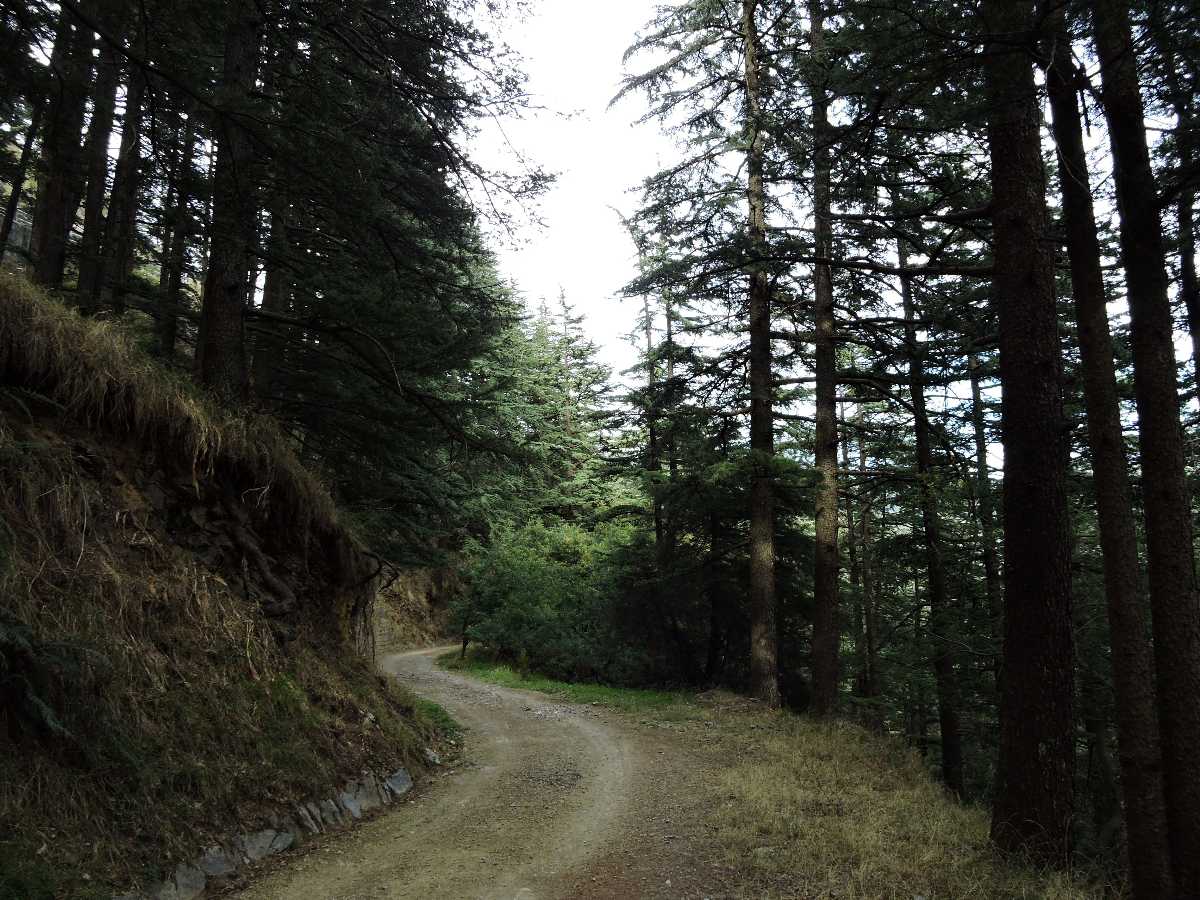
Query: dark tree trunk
(825, 638)
(104, 102)
(653, 452)
(1170, 560)
(1132, 655)
(174, 127)
(1035, 795)
(942, 625)
(873, 686)
(18, 183)
(666, 544)
(855, 567)
(1183, 103)
(1101, 775)
(221, 354)
(764, 664)
(1189, 284)
(918, 724)
(121, 227)
(654, 465)
(176, 262)
(714, 655)
(60, 171)
(277, 292)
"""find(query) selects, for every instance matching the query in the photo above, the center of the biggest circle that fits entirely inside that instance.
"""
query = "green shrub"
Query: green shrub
(544, 597)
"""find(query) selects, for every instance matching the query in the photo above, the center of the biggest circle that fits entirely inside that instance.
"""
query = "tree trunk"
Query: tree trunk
(221, 354)
(825, 638)
(169, 205)
(18, 183)
(855, 567)
(60, 171)
(942, 626)
(764, 664)
(1170, 560)
(873, 684)
(180, 219)
(918, 725)
(121, 230)
(666, 547)
(714, 655)
(1035, 795)
(1132, 655)
(277, 292)
(1185, 150)
(1189, 284)
(653, 454)
(104, 102)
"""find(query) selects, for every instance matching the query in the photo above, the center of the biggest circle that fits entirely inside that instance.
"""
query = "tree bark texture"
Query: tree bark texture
(1128, 614)
(221, 354)
(826, 637)
(764, 665)
(1174, 600)
(1034, 803)
(180, 228)
(104, 104)
(121, 227)
(60, 170)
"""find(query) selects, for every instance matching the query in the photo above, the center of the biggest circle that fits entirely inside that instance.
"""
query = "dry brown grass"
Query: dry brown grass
(185, 711)
(810, 810)
(103, 382)
(804, 810)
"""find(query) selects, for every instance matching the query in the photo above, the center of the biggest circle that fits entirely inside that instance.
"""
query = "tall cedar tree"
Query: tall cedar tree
(1133, 662)
(764, 665)
(1034, 801)
(1171, 564)
(221, 354)
(826, 638)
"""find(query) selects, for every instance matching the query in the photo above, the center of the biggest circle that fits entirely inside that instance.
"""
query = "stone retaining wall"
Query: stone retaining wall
(218, 862)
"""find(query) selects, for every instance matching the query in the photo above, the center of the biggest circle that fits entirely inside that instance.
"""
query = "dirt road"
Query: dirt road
(555, 801)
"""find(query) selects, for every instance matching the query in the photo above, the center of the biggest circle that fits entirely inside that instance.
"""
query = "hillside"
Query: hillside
(186, 644)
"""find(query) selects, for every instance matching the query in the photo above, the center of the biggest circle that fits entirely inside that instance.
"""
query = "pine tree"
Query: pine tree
(1034, 804)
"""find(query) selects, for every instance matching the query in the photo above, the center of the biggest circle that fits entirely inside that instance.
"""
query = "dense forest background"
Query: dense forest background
(912, 431)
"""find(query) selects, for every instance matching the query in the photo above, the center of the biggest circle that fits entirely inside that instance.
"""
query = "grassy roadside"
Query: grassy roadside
(801, 809)
(667, 704)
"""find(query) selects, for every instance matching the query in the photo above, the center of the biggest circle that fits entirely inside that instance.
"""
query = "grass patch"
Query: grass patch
(439, 720)
(816, 810)
(481, 665)
(823, 810)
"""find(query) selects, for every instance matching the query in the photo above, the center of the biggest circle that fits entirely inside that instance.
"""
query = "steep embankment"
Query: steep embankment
(185, 623)
(413, 608)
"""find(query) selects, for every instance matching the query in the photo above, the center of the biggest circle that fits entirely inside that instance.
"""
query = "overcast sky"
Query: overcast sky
(573, 56)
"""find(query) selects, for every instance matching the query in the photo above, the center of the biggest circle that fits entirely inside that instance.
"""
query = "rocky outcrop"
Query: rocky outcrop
(222, 860)
(413, 607)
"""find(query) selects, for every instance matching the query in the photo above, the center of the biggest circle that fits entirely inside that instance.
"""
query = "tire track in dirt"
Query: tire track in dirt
(555, 801)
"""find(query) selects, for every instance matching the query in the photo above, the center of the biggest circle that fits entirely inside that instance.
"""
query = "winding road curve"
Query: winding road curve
(556, 801)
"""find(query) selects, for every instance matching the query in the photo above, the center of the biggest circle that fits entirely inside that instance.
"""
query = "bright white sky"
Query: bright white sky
(573, 56)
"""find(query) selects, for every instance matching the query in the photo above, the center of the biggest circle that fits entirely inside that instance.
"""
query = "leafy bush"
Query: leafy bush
(544, 597)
